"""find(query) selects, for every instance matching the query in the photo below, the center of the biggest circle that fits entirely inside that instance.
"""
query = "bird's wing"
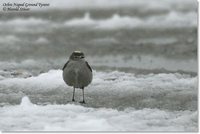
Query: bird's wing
(88, 66)
(65, 65)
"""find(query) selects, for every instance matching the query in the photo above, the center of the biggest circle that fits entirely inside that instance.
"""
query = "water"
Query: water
(143, 55)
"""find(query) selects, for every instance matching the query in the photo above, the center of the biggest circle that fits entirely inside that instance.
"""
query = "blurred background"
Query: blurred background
(135, 36)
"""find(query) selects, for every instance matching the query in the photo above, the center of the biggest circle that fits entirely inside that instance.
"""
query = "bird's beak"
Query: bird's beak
(79, 57)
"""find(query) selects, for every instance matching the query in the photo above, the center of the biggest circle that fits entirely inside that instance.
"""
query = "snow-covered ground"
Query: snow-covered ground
(71, 117)
(116, 101)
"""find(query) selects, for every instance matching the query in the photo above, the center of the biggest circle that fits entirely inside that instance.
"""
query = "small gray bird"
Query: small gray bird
(77, 72)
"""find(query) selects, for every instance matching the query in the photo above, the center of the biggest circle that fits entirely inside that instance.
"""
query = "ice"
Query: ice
(41, 40)
(86, 20)
(28, 25)
(71, 117)
(29, 64)
(157, 41)
(109, 89)
(25, 102)
(116, 101)
(148, 62)
(171, 20)
(9, 42)
(42, 81)
(25, 22)
(9, 39)
(103, 41)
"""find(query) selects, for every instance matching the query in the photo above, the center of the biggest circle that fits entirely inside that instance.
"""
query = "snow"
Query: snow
(41, 40)
(157, 41)
(145, 62)
(86, 20)
(71, 117)
(116, 101)
(137, 61)
(9, 39)
(26, 103)
(116, 90)
(170, 20)
(26, 22)
(53, 79)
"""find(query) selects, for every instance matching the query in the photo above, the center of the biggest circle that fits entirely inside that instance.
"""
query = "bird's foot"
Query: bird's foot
(83, 102)
(73, 100)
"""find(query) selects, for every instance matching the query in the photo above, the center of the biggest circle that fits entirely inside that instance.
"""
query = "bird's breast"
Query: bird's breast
(77, 74)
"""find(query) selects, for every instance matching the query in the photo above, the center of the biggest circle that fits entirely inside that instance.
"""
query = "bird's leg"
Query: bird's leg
(83, 96)
(73, 94)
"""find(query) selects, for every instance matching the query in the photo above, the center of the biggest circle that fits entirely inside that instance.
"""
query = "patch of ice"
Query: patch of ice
(157, 41)
(28, 25)
(78, 118)
(41, 82)
(41, 40)
(25, 64)
(25, 102)
(9, 39)
(86, 20)
(104, 41)
(25, 22)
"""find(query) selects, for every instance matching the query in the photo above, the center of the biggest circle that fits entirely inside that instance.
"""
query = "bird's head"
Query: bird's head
(77, 55)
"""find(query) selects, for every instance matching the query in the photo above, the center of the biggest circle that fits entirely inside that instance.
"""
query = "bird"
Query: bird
(77, 72)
